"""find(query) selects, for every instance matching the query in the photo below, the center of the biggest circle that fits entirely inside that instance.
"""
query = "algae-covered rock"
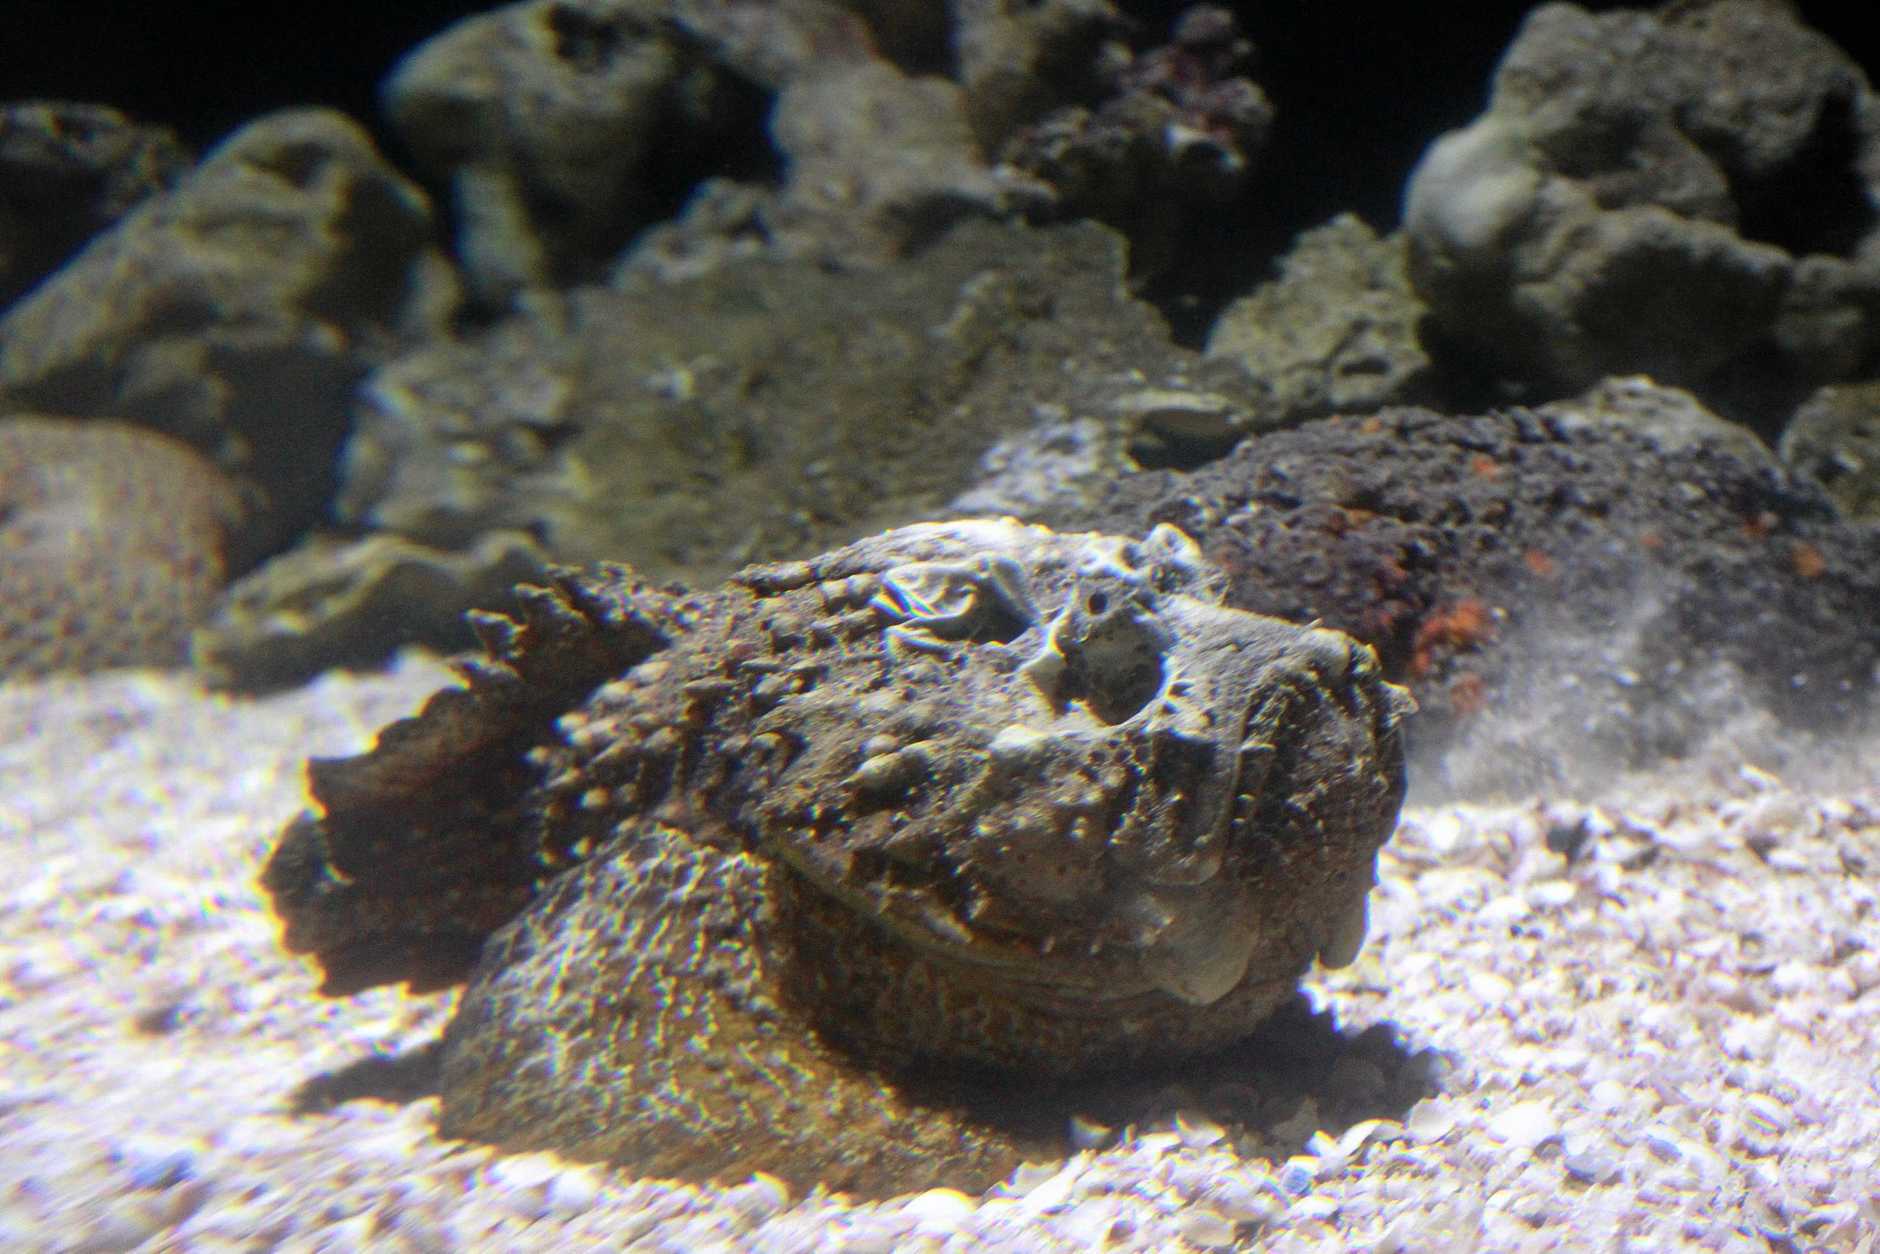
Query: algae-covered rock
(1670, 193)
(1335, 332)
(236, 312)
(1835, 438)
(555, 128)
(1671, 419)
(112, 545)
(68, 171)
(1161, 143)
(779, 876)
(756, 411)
(329, 602)
(563, 128)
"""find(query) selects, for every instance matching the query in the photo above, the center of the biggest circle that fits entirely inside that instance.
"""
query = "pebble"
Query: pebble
(1247, 1196)
(157, 1162)
(573, 1192)
(1431, 1121)
(1088, 1134)
(1052, 1194)
(1592, 1165)
(1766, 1116)
(1489, 988)
(938, 1211)
(1793, 976)
(1297, 1174)
(1552, 894)
(1524, 1125)
(1205, 1228)
(1503, 910)
(1197, 1131)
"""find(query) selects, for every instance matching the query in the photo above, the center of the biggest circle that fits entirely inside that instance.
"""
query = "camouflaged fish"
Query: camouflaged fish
(750, 879)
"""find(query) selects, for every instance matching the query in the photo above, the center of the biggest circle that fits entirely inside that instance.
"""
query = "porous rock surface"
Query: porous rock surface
(853, 133)
(1603, 561)
(1835, 437)
(1676, 193)
(331, 602)
(112, 545)
(1161, 144)
(237, 311)
(764, 409)
(554, 124)
(1336, 331)
(740, 880)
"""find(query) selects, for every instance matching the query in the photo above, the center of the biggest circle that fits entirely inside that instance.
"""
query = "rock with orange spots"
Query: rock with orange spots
(1620, 573)
(112, 544)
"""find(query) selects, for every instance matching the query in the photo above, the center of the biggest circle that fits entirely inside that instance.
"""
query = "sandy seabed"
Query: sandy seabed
(1657, 1023)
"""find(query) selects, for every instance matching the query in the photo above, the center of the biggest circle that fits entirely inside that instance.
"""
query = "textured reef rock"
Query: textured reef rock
(112, 544)
(734, 876)
(1835, 437)
(563, 127)
(1336, 332)
(332, 602)
(762, 410)
(1674, 193)
(852, 133)
(1606, 562)
(68, 171)
(1159, 142)
(236, 312)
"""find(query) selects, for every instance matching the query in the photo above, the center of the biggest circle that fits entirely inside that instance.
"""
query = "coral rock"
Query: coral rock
(1660, 192)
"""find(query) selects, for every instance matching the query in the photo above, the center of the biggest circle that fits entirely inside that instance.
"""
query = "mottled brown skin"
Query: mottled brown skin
(962, 799)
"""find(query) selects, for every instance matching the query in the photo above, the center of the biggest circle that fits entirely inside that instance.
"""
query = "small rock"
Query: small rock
(1087, 1134)
(1297, 1174)
(938, 1210)
(1197, 1131)
(573, 1192)
(1591, 1165)
(1524, 1125)
(1205, 1228)
(154, 1162)
(1431, 1122)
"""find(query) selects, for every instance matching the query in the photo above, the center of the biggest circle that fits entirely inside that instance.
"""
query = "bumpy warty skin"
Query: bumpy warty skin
(975, 796)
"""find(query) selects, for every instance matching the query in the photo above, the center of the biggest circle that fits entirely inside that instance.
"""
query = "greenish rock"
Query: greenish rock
(237, 311)
(1835, 438)
(766, 409)
(1335, 332)
(566, 128)
(330, 602)
(68, 171)
(1671, 192)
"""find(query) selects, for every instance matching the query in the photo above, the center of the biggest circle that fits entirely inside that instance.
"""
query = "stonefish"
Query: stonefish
(754, 879)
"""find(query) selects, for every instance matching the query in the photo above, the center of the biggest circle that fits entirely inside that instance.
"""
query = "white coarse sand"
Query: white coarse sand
(1657, 1023)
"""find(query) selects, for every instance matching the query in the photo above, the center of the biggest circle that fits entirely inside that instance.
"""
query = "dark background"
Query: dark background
(1360, 88)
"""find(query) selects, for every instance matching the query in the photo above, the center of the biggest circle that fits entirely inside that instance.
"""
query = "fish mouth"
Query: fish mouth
(1208, 926)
